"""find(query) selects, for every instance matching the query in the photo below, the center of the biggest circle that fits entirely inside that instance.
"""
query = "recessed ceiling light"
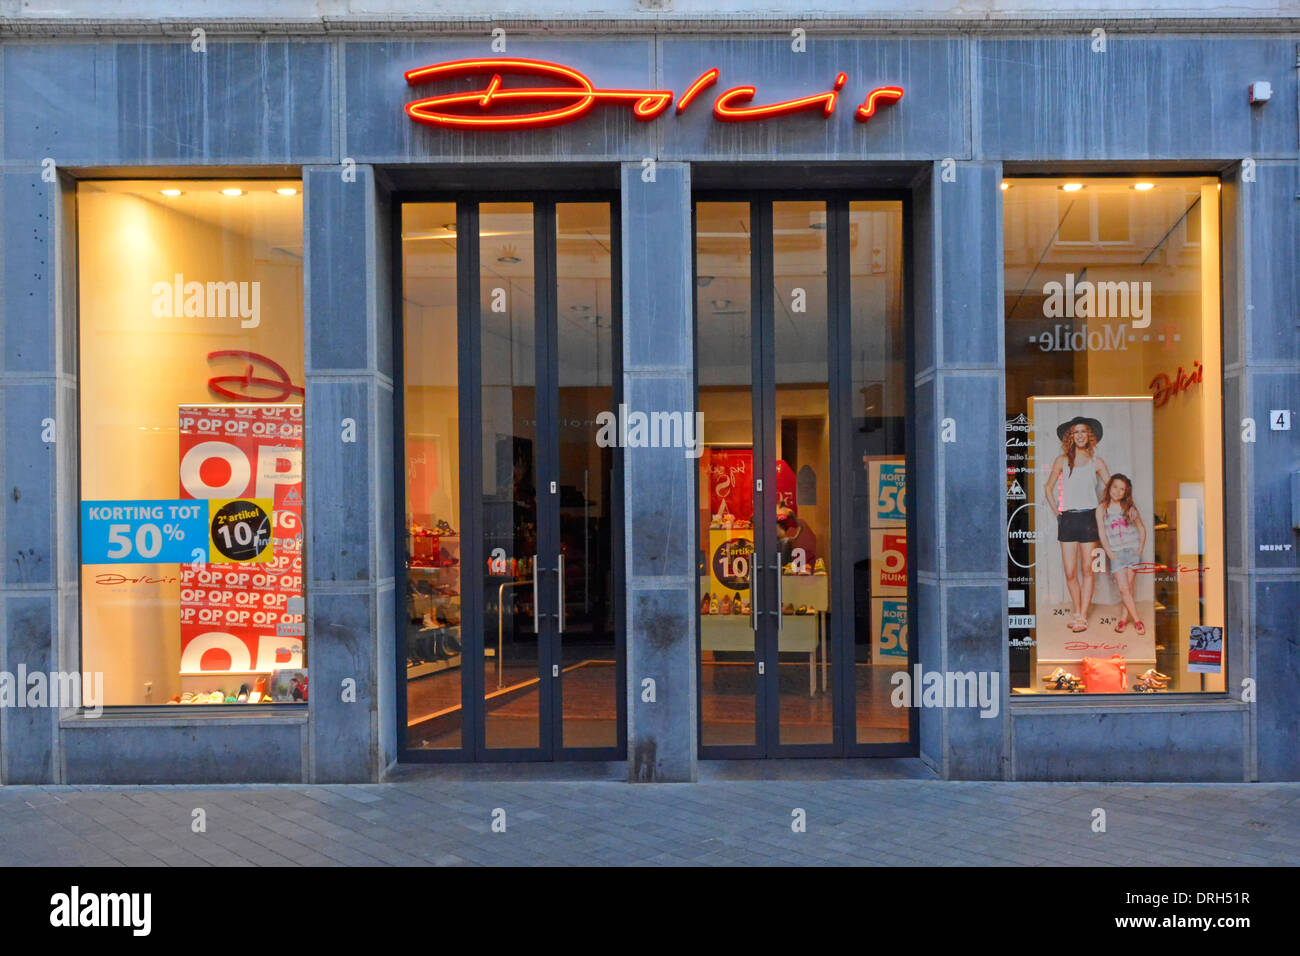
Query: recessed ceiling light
(449, 226)
(170, 193)
(1005, 185)
(818, 225)
(579, 308)
(1143, 187)
(1072, 187)
(232, 191)
(287, 191)
(721, 305)
(509, 260)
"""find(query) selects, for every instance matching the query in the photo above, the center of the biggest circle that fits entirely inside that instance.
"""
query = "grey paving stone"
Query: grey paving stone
(604, 823)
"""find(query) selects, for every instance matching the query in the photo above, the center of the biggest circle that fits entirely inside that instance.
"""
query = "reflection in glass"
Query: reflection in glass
(508, 401)
(879, 488)
(803, 435)
(584, 319)
(724, 324)
(434, 670)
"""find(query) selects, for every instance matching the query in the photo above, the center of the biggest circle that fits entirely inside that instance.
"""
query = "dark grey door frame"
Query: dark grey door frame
(473, 556)
(763, 377)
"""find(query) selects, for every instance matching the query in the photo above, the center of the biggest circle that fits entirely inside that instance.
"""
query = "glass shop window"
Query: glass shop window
(191, 433)
(1114, 435)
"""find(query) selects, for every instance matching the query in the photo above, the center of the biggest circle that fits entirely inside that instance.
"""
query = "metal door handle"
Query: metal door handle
(780, 591)
(753, 592)
(559, 569)
(536, 628)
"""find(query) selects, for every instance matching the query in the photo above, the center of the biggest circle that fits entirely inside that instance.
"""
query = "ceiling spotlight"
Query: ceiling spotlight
(721, 305)
(508, 256)
(820, 225)
(703, 281)
(287, 191)
(232, 191)
(579, 308)
(450, 227)
(170, 193)
(1072, 187)
(1143, 187)
(1005, 185)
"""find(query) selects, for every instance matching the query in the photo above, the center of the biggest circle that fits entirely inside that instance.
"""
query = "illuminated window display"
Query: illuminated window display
(1114, 435)
(191, 356)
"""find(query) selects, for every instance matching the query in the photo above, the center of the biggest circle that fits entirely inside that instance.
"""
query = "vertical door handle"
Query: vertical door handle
(555, 670)
(559, 569)
(760, 668)
(536, 628)
(780, 591)
(753, 592)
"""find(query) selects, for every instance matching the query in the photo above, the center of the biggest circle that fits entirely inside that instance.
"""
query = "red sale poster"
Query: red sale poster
(731, 483)
(244, 615)
(421, 477)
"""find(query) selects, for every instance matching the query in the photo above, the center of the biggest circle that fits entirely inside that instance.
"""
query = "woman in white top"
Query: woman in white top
(1075, 500)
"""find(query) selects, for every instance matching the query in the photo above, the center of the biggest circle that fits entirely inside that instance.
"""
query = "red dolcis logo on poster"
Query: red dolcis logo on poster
(574, 95)
(232, 613)
(731, 483)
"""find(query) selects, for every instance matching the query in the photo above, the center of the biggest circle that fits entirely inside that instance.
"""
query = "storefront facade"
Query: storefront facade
(636, 395)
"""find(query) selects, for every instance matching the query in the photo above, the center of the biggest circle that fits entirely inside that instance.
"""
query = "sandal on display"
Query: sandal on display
(1054, 676)
(242, 696)
(788, 609)
(259, 691)
(1152, 672)
(726, 604)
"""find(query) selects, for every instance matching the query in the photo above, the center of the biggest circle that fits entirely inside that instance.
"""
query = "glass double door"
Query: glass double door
(531, 667)
(800, 380)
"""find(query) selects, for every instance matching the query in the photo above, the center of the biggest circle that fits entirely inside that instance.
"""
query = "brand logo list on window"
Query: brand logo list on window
(497, 105)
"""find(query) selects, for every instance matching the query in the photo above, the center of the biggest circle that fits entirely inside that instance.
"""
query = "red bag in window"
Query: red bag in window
(1102, 676)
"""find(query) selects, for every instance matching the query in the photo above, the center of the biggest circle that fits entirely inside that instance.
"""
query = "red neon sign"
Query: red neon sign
(579, 96)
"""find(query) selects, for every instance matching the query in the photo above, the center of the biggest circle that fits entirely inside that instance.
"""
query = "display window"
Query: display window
(190, 339)
(1114, 435)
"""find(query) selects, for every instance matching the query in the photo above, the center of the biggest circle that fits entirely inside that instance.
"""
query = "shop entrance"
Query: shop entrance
(801, 379)
(511, 618)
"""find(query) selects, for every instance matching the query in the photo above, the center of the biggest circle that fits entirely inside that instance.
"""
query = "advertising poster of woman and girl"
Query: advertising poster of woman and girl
(1093, 488)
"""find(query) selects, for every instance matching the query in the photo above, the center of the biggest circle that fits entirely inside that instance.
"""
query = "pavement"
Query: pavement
(579, 816)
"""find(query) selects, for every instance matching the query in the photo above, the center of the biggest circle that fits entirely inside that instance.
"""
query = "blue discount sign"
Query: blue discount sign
(144, 532)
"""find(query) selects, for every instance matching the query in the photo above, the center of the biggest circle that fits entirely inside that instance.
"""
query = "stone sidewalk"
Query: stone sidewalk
(429, 819)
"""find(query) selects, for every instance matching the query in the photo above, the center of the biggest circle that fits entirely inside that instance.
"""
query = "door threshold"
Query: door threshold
(614, 771)
(816, 768)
